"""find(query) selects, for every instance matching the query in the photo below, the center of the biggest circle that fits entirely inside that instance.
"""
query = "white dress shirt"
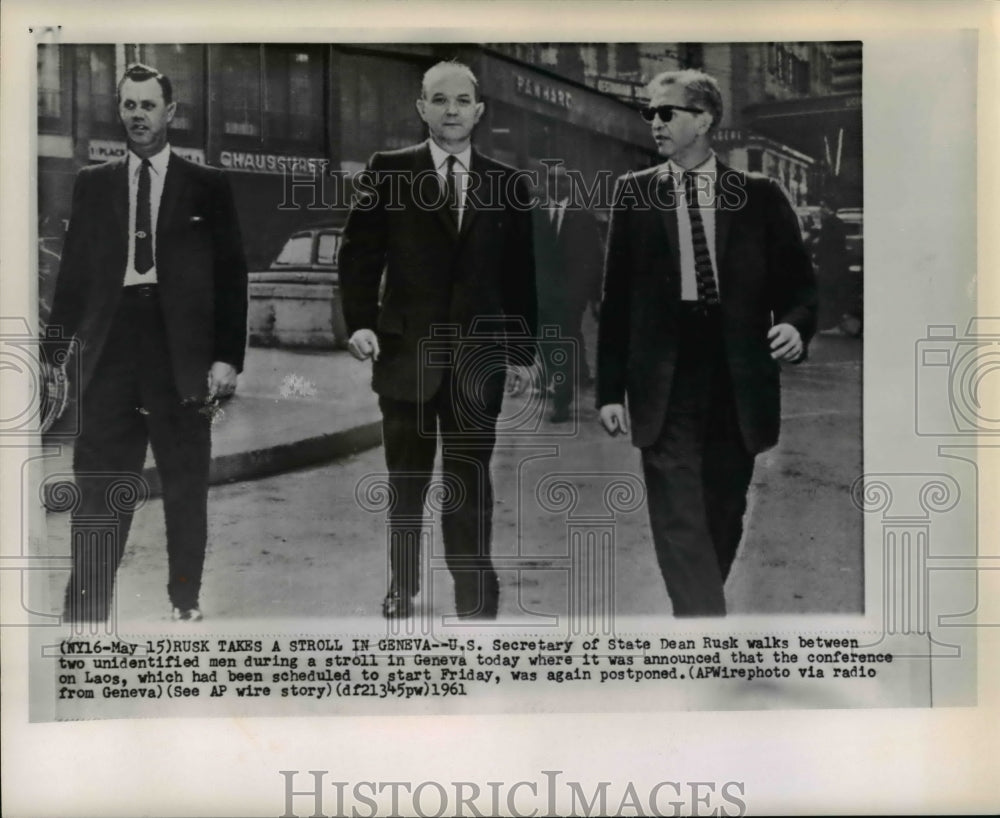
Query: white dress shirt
(157, 175)
(557, 212)
(705, 189)
(439, 156)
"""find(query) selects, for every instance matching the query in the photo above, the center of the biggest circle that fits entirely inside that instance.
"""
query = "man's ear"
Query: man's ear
(480, 107)
(421, 108)
(171, 110)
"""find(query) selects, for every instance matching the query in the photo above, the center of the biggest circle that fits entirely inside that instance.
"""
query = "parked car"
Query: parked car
(296, 301)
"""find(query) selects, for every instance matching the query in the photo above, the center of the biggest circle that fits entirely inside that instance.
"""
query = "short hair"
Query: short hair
(448, 66)
(701, 90)
(137, 72)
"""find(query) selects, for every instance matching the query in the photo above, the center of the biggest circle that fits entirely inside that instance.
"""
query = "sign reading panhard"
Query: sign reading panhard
(528, 87)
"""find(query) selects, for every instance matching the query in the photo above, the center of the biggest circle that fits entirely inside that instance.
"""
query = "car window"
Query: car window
(297, 250)
(329, 244)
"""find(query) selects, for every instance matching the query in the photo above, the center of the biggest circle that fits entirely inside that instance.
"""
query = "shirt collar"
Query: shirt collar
(709, 166)
(158, 162)
(439, 155)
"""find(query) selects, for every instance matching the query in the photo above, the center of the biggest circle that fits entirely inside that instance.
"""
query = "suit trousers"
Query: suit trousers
(131, 400)
(698, 471)
(464, 412)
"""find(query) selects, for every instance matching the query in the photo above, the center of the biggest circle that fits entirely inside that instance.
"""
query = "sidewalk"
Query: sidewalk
(292, 408)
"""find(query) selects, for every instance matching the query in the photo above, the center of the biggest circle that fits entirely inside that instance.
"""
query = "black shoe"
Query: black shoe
(397, 606)
(186, 614)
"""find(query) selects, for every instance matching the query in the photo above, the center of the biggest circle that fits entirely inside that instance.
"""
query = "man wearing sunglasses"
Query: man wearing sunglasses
(708, 289)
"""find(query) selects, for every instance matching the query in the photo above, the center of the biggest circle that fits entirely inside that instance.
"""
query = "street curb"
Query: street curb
(283, 457)
(270, 460)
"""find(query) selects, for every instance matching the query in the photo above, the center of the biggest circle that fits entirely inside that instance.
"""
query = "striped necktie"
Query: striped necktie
(708, 292)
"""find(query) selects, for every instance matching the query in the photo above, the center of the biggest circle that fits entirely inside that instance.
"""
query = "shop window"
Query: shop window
(104, 90)
(240, 90)
(691, 55)
(184, 64)
(628, 58)
(800, 75)
(377, 104)
(601, 55)
(293, 101)
(54, 73)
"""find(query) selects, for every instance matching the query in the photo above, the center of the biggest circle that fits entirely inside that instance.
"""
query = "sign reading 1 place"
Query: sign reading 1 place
(101, 150)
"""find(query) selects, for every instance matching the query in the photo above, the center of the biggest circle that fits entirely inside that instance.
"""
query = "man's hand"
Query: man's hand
(518, 378)
(613, 419)
(786, 343)
(221, 381)
(364, 344)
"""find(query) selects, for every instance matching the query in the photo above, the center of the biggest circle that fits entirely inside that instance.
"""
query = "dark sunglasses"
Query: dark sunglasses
(665, 112)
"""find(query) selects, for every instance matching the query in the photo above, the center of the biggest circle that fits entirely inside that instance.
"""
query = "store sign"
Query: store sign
(527, 87)
(253, 162)
(728, 135)
(101, 150)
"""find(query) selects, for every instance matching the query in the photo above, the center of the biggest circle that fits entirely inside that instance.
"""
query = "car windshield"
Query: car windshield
(297, 250)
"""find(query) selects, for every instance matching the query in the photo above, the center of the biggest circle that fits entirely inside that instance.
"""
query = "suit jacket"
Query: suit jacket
(200, 269)
(435, 275)
(568, 264)
(765, 278)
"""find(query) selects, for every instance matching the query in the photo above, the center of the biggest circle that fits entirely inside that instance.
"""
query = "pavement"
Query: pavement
(290, 538)
(295, 408)
(292, 408)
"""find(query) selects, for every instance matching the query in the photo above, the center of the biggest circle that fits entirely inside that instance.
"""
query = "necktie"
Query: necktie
(143, 227)
(451, 182)
(708, 293)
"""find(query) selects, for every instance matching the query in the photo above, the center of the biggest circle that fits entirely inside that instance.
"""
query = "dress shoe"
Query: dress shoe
(397, 606)
(186, 615)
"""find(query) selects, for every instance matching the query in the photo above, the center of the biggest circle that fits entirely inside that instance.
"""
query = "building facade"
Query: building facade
(796, 105)
(260, 110)
(321, 109)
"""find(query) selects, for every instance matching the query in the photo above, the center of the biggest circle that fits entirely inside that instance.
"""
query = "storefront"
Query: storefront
(259, 111)
(797, 173)
(827, 128)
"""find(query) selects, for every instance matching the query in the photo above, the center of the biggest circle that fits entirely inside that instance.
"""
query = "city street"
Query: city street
(299, 544)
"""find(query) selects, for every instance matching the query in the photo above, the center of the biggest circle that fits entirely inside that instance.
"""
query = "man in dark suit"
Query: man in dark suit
(451, 229)
(707, 288)
(568, 257)
(153, 284)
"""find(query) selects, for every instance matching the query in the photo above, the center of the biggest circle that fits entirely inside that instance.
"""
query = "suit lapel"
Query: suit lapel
(470, 211)
(431, 188)
(723, 218)
(119, 197)
(668, 215)
(172, 186)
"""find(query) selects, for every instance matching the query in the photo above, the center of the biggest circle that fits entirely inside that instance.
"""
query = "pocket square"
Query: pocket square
(197, 219)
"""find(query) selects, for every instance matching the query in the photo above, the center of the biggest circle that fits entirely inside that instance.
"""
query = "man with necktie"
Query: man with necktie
(707, 289)
(153, 284)
(450, 229)
(568, 258)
